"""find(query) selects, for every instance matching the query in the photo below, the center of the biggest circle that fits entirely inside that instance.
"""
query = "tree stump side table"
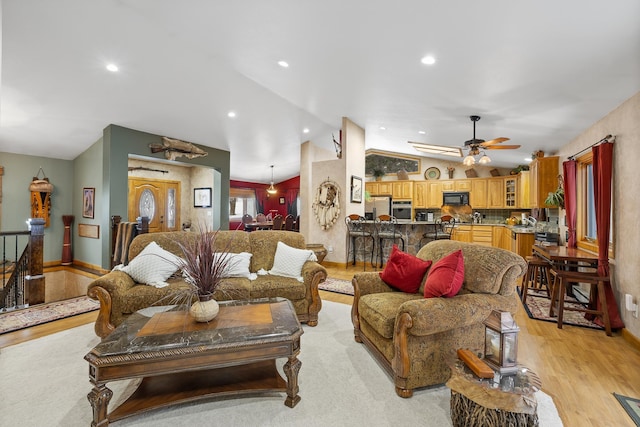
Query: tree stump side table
(476, 402)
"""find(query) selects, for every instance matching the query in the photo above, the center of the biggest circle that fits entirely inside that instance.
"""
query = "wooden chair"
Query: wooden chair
(537, 276)
(277, 222)
(289, 221)
(564, 279)
(386, 229)
(297, 225)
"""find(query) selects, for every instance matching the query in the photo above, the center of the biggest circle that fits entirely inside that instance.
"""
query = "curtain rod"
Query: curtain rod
(608, 138)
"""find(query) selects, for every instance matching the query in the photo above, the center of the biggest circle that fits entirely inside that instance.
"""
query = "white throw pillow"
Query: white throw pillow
(237, 265)
(153, 266)
(288, 261)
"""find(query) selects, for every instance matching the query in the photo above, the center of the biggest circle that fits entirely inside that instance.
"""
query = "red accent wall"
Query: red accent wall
(272, 202)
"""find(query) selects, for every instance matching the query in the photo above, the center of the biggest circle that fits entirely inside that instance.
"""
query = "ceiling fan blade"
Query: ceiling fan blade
(494, 141)
(502, 147)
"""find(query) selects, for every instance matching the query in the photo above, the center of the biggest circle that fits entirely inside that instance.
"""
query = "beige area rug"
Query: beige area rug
(43, 313)
(337, 285)
(340, 385)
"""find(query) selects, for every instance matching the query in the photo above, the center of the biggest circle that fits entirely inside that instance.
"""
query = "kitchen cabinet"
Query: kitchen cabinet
(495, 193)
(482, 234)
(462, 185)
(522, 243)
(462, 233)
(524, 201)
(543, 179)
(420, 191)
(402, 190)
(510, 191)
(501, 238)
(378, 188)
(434, 194)
(478, 194)
(448, 185)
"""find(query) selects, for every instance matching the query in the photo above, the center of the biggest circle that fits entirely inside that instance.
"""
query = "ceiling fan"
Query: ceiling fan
(474, 145)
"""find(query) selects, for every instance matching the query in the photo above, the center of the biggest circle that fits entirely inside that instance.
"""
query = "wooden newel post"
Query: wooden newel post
(34, 281)
(67, 257)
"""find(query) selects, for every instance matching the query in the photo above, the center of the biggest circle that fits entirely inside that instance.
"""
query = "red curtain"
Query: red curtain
(290, 197)
(602, 173)
(570, 194)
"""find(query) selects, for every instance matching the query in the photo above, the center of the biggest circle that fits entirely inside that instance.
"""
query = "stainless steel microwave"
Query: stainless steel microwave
(455, 198)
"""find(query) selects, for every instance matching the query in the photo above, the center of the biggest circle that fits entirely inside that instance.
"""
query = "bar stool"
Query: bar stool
(537, 276)
(386, 230)
(356, 229)
(564, 279)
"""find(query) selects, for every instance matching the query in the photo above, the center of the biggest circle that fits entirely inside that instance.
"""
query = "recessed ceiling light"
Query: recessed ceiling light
(421, 132)
(305, 130)
(383, 128)
(428, 60)
(231, 114)
(283, 64)
(112, 67)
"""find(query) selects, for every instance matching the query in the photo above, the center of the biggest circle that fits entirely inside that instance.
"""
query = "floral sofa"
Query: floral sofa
(415, 338)
(120, 295)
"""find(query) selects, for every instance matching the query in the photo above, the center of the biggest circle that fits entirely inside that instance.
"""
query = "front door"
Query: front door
(159, 200)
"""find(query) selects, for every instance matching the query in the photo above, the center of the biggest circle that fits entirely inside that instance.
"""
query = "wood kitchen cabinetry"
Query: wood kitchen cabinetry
(378, 188)
(524, 191)
(434, 194)
(482, 234)
(495, 193)
(543, 177)
(462, 233)
(478, 194)
(402, 190)
(521, 243)
(420, 191)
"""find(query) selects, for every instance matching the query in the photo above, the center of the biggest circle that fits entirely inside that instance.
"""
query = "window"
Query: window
(586, 226)
(241, 201)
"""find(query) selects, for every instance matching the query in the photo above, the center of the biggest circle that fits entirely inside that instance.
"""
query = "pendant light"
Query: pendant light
(272, 190)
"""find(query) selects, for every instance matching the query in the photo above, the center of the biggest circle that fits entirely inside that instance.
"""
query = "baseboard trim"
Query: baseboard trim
(630, 338)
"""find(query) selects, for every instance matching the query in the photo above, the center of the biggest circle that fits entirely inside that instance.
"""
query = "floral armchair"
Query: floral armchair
(415, 338)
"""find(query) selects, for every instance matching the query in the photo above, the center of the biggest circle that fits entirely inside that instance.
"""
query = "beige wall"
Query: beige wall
(624, 123)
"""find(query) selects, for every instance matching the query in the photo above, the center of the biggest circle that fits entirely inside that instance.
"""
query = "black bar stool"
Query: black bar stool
(386, 230)
(356, 229)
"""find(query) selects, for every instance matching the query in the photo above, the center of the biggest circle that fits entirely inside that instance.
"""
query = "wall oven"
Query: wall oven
(401, 209)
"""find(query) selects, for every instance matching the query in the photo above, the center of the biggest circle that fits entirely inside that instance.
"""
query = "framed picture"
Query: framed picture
(88, 200)
(356, 189)
(202, 197)
(282, 200)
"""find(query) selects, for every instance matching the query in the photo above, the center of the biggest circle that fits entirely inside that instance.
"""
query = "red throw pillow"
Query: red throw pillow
(404, 271)
(445, 277)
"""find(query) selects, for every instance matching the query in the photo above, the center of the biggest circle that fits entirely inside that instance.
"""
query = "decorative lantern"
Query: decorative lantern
(501, 342)
(41, 190)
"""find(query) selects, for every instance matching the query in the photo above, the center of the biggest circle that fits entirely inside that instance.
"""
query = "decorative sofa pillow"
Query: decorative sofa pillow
(404, 271)
(288, 261)
(445, 277)
(152, 266)
(238, 265)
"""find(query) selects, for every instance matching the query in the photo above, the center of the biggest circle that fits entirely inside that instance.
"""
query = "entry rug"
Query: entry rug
(632, 406)
(43, 313)
(537, 307)
(337, 285)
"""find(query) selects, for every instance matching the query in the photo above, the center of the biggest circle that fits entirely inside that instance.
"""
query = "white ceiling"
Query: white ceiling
(539, 73)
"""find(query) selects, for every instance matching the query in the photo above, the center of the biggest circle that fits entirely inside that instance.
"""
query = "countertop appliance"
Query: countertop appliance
(377, 206)
(455, 198)
(401, 209)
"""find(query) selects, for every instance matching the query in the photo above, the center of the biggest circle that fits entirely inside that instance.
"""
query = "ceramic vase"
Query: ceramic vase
(205, 309)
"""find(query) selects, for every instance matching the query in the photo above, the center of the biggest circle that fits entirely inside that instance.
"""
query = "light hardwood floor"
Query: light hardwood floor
(580, 368)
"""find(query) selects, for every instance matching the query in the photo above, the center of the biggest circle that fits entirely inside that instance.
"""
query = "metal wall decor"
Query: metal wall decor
(41, 190)
(326, 204)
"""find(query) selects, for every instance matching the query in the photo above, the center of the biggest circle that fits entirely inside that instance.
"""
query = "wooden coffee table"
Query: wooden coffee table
(181, 361)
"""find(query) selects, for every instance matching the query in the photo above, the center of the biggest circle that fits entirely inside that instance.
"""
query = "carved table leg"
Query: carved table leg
(291, 369)
(99, 398)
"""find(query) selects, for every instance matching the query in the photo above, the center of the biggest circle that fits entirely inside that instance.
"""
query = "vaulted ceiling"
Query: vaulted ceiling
(538, 73)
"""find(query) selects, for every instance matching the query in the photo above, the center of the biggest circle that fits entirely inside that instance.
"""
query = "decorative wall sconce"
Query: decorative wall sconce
(41, 190)
(501, 342)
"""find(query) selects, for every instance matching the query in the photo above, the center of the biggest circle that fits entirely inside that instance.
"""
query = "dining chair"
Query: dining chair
(247, 219)
(277, 222)
(261, 217)
(289, 221)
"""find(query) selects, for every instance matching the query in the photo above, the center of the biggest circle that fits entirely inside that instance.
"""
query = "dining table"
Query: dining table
(564, 256)
(265, 225)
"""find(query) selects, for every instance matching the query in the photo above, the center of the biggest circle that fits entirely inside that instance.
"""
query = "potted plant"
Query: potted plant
(378, 174)
(556, 198)
(203, 268)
